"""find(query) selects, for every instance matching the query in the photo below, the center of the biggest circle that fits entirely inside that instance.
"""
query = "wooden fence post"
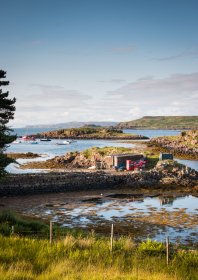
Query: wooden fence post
(12, 230)
(167, 250)
(51, 232)
(111, 241)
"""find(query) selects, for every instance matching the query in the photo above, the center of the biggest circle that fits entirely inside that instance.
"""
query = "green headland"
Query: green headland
(162, 122)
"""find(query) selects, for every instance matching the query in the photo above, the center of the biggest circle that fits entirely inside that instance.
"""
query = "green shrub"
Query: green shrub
(151, 247)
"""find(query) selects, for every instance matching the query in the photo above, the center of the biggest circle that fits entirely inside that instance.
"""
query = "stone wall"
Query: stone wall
(74, 181)
(70, 181)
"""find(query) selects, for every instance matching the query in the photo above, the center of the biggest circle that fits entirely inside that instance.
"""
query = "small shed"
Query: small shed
(119, 160)
(165, 156)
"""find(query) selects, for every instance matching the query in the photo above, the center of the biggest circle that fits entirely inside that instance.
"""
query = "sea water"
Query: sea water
(51, 149)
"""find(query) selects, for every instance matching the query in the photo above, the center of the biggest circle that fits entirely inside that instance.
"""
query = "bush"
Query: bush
(152, 247)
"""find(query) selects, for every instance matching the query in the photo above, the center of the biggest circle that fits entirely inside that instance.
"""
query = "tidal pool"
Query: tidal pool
(139, 215)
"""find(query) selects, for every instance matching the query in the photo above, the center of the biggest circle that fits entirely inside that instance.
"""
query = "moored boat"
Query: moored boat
(63, 143)
(16, 142)
(45, 140)
(28, 138)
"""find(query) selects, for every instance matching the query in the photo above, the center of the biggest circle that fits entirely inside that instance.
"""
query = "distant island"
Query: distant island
(73, 124)
(161, 122)
(147, 122)
(90, 132)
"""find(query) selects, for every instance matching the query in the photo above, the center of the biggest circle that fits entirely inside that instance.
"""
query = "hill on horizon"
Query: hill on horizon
(74, 124)
(161, 122)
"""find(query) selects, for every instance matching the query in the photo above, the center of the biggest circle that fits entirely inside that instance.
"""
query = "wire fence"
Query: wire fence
(53, 236)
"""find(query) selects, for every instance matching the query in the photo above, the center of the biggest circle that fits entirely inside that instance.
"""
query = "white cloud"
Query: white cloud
(65, 114)
(49, 104)
(173, 95)
(177, 94)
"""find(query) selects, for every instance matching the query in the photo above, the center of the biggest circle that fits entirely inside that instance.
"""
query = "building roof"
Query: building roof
(126, 155)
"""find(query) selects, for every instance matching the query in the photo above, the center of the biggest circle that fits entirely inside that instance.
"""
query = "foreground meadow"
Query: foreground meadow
(89, 257)
(26, 253)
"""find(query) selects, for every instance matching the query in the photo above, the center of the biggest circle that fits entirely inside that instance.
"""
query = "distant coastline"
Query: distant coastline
(162, 122)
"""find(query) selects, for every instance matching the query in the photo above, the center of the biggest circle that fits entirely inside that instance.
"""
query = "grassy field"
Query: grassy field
(162, 122)
(106, 151)
(88, 256)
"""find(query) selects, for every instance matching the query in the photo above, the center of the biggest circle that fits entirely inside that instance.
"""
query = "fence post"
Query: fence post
(12, 230)
(111, 241)
(51, 232)
(167, 250)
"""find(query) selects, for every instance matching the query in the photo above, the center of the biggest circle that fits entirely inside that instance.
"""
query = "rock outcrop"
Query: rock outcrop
(185, 145)
(84, 159)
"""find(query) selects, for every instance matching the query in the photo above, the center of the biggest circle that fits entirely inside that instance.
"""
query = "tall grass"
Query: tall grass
(90, 258)
(30, 227)
(25, 226)
(85, 256)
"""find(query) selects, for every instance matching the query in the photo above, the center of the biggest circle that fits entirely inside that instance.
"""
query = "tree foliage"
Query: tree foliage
(7, 109)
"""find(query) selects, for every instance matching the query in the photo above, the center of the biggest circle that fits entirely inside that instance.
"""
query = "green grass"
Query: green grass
(152, 160)
(162, 122)
(90, 258)
(87, 256)
(28, 227)
(25, 226)
(105, 151)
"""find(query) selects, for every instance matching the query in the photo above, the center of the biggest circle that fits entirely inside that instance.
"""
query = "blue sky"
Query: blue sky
(110, 60)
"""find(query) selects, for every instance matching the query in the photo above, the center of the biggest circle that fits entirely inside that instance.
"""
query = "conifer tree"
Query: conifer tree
(7, 109)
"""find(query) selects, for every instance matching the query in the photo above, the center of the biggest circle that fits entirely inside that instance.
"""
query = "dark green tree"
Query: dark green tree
(7, 109)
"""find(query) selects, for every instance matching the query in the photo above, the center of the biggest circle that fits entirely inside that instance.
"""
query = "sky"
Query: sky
(96, 60)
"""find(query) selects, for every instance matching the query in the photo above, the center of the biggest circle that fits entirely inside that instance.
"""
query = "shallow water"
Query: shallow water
(139, 215)
(190, 163)
(52, 149)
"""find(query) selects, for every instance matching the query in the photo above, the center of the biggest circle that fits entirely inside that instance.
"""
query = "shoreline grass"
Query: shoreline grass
(90, 258)
(87, 256)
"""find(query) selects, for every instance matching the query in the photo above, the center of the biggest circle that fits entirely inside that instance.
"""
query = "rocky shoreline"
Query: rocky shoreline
(28, 155)
(96, 137)
(165, 175)
(184, 146)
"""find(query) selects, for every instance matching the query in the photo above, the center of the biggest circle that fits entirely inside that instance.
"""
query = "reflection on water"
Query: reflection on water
(141, 216)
